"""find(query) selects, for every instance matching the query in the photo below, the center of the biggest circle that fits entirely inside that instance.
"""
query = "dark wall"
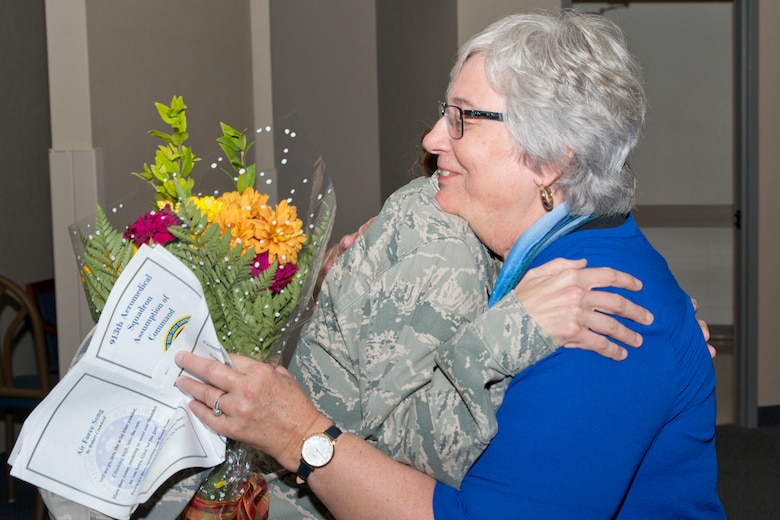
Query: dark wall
(25, 139)
(364, 78)
(146, 51)
(416, 44)
(324, 70)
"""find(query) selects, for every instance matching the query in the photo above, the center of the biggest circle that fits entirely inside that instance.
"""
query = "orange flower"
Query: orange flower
(279, 233)
(252, 201)
(239, 213)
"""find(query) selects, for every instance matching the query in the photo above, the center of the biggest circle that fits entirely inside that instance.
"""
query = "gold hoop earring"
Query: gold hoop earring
(545, 193)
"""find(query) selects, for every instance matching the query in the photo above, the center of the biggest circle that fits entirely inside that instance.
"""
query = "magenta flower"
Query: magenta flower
(153, 227)
(284, 273)
(260, 264)
(284, 276)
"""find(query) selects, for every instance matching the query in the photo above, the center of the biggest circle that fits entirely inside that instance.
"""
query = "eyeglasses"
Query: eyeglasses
(455, 115)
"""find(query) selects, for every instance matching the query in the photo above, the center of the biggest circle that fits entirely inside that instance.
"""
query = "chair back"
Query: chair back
(42, 295)
(19, 314)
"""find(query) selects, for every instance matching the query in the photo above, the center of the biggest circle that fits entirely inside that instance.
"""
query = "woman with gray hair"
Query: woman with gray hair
(541, 114)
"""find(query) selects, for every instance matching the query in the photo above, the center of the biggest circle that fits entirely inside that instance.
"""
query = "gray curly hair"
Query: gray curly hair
(575, 101)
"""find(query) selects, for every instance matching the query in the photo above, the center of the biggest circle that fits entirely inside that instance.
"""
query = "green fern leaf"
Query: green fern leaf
(106, 253)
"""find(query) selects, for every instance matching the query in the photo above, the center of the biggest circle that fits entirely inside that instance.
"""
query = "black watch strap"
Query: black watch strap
(333, 432)
(304, 468)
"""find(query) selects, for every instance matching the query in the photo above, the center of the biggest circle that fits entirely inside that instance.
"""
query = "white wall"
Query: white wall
(475, 15)
(769, 191)
(685, 156)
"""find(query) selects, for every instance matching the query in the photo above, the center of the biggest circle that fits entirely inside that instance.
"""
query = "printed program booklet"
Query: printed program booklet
(115, 427)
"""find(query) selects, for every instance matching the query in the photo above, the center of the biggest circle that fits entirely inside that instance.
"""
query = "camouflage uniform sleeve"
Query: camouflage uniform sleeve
(422, 302)
(367, 361)
(443, 427)
(323, 367)
(483, 356)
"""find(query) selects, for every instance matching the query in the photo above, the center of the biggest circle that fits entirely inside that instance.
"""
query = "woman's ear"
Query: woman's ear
(548, 176)
(551, 173)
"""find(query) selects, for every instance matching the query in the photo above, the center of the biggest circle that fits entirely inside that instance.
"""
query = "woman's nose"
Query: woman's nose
(437, 139)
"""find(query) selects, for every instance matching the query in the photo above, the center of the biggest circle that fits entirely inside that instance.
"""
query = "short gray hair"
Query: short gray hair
(575, 101)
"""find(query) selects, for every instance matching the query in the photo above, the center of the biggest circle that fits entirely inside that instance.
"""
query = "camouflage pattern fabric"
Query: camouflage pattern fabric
(368, 356)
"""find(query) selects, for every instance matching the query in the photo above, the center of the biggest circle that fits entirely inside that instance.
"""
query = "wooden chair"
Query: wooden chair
(20, 393)
(42, 296)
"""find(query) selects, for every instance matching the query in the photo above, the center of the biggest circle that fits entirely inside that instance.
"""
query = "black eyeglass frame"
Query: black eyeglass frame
(475, 114)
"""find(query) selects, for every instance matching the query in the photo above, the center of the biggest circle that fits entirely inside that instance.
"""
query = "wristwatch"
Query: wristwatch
(317, 450)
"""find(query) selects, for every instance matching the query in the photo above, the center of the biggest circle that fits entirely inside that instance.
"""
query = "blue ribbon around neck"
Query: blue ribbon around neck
(542, 233)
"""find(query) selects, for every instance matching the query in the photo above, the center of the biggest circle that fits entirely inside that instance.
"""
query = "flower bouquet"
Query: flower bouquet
(257, 262)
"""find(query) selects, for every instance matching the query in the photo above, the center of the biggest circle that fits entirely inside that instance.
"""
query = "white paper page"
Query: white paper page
(150, 304)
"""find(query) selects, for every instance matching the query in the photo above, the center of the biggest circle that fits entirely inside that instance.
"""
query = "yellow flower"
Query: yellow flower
(209, 206)
(162, 203)
(279, 232)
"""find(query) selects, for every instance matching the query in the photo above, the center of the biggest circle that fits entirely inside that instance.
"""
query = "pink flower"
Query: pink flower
(284, 276)
(260, 264)
(153, 227)
(284, 273)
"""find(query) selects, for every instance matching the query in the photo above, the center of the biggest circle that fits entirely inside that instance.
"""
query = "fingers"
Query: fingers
(206, 414)
(344, 243)
(601, 345)
(260, 404)
(217, 381)
(611, 303)
(611, 328)
(705, 330)
(594, 277)
(243, 364)
(362, 229)
(203, 398)
(215, 378)
(559, 296)
(211, 371)
(574, 272)
(347, 240)
(554, 267)
(331, 255)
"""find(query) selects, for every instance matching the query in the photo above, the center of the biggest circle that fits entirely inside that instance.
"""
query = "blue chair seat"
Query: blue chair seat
(25, 382)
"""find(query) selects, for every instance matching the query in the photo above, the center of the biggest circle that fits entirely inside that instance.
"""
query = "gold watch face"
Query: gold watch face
(317, 450)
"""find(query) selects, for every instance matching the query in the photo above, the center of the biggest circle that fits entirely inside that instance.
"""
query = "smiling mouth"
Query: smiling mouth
(444, 173)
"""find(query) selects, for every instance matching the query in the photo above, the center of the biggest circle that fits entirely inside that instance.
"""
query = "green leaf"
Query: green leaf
(165, 113)
(247, 179)
(106, 253)
(172, 159)
(178, 138)
(177, 104)
(161, 135)
(229, 131)
(188, 160)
